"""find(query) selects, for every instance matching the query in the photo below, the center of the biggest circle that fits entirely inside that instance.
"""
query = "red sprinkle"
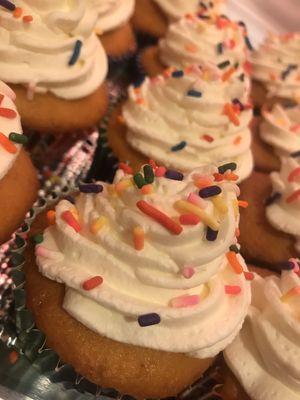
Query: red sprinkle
(126, 168)
(293, 197)
(294, 175)
(160, 171)
(248, 67)
(208, 138)
(189, 219)
(92, 283)
(234, 290)
(249, 276)
(159, 217)
(17, 12)
(13, 357)
(69, 218)
(27, 19)
(7, 113)
(222, 22)
(7, 144)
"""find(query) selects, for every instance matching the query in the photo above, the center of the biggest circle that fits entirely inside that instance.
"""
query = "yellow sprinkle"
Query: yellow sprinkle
(220, 204)
(123, 185)
(236, 210)
(185, 207)
(281, 122)
(98, 224)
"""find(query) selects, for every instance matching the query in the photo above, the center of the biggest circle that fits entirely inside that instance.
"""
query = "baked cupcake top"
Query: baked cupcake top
(152, 260)
(196, 38)
(11, 134)
(276, 64)
(281, 128)
(175, 9)
(284, 211)
(192, 117)
(50, 46)
(265, 355)
(112, 13)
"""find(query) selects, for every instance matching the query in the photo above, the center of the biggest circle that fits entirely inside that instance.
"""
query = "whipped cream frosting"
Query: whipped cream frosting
(7, 126)
(281, 129)
(146, 281)
(265, 355)
(186, 108)
(193, 40)
(37, 53)
(276, 64)
(175, 9)
(112, 13)
(284, 213)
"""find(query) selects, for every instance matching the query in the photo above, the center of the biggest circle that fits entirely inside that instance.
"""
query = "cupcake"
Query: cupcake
(264, 358)
(270, 227)
(151, 17)
(197, 38)
(276, 70)
(18, 178)
(187, 118)
(55, 64)
(114, 27)
(139, 284)
(279, 136)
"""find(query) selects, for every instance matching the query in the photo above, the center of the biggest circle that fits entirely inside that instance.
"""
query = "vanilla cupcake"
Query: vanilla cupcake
(151, 17)
(114, 27)
(187, 118)
(194, 39)
(284, 212)
(276, 69)
(55, 63)
(279, 135)
(265, 356)
(18, 178)
(140, 284)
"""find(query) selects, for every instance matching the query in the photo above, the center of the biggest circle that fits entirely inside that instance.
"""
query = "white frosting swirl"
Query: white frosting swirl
(283, 214)
(192, 40)
(8, 125)
(265, 355)
(38, 53)
(281, 129)
(175, 9)
(112, 13)
(276, 65)
(140, 282)
(161, 114)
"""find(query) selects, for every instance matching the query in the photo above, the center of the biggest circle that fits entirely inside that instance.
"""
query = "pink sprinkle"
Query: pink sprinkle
(41, 251)
(185, 301)
(295, 128)
(294, 175)
(196, 200)
(234, 290)
(296, 264)
(188, 271)
(160, 171)
(249, 276)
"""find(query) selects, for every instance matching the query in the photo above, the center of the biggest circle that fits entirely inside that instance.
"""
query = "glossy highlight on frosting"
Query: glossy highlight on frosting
(192, 117)
(137, 273)
(54, 49)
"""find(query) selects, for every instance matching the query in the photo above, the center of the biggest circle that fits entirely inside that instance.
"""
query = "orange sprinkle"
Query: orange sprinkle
(237, 140)
(7, 144)
(51, 217)
(121, 119)
(228, 74)
(229, 112)
(147, 189)
(222, 22)
(17, 12)
(27, 19)
(234, 262)
(243, 204)
(191, 48)
(138, 238)
(273, 76)
(13, 357)
(231, 176)
(294, 292)
(140, 101)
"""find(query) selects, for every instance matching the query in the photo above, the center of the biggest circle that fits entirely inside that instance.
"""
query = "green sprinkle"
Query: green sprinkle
(229, 166)
(139, 180)
(148, 173)
(234, 248)
(18, 138)
(37, 239)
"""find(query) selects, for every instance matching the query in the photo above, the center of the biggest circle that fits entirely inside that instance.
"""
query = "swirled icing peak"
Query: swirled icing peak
(194, 39)
(112, 13)
(11, 134)
(197, 116)
(281, 129)
(152, 259)
(175, 9)
(284, 212)
(265, 355)
(276, 64)
(49, 46)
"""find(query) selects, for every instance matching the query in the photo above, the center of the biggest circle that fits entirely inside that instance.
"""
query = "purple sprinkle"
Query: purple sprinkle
(149, 319)
(91, 188)
(76, 52)
(177, 74)
(210, 191)
(211, 235)
(241, 105)
(286, 265)
(70, 199)
(175, 175)
(194, 93)
(8, 5)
